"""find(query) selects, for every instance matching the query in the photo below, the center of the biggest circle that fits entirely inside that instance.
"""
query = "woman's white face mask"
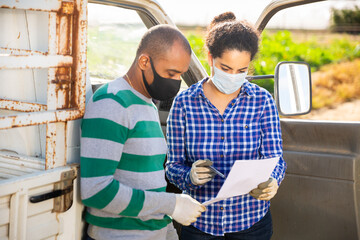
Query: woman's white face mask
(227, 83)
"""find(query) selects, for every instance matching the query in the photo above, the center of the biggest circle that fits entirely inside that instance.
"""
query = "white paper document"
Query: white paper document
(245, 175)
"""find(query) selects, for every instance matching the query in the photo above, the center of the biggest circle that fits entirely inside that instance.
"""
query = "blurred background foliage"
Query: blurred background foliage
(325, 52)
(346, 20)
(334, 57)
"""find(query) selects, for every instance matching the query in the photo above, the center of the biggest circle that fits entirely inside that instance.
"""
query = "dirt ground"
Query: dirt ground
(349, 111)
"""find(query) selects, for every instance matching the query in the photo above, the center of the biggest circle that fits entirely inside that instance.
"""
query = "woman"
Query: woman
(217, 121)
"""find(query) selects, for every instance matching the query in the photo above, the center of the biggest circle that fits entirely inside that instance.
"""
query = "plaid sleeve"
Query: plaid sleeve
(271, 138)
(177, 171)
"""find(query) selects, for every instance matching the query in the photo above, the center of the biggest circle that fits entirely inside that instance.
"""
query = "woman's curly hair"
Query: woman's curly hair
(227, 33)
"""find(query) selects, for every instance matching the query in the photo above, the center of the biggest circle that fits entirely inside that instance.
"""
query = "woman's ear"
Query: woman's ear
(211, 64)
(210, 59)
(144, 62)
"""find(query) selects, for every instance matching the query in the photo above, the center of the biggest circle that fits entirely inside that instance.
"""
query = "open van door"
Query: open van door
(319, 197)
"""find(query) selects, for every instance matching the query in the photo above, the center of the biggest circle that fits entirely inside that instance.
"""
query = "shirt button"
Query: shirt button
(221, 208)
(222, 138)
(221, 156)
(232, 104)
(222, 120)
(246, 126)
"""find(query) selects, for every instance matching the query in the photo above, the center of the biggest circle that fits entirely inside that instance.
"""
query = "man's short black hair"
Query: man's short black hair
(160, 38)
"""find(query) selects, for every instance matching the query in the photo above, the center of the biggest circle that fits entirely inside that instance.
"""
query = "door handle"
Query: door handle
(50, 195)
(62, 193)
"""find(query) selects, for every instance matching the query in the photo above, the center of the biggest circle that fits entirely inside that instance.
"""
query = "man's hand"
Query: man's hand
(265, 190)
(187, 209)
(201, 172)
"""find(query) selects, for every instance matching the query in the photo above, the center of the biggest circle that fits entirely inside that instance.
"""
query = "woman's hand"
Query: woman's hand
(265, 190)
(201, 172)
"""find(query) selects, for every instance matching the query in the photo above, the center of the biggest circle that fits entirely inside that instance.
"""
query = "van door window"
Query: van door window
(113, 37)
(332, 56)
(114, 34)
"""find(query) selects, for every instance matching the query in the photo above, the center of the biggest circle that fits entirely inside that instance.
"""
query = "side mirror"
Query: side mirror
(293, 88)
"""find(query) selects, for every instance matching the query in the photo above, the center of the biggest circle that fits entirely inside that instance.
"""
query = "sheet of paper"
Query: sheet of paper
(245, 175)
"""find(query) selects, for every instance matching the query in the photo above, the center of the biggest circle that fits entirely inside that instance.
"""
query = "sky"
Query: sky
(201, 12)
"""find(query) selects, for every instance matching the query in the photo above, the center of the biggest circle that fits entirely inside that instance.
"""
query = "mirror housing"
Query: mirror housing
(293, 88)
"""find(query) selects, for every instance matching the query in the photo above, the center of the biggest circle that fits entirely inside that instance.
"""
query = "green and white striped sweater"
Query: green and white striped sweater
(122, 175)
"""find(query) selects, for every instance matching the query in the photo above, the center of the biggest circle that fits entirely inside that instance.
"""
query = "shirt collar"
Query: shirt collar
(247, 88)
(199, 90)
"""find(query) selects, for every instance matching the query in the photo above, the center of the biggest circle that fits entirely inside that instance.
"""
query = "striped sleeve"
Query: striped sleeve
(104, 131)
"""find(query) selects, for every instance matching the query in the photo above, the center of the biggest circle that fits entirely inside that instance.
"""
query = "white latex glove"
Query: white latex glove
(200, 172)
(265, 190)
(187, 209)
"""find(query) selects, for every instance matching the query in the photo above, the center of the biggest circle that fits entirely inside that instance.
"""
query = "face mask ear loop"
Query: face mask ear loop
(213, 69)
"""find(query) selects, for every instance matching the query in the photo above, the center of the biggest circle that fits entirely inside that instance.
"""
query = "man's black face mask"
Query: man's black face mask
(161, 88)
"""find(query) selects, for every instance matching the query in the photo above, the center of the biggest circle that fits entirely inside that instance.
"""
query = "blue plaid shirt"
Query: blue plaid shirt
(249, 129)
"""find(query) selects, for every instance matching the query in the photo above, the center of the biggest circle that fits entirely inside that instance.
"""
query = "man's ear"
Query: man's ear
(144, 62)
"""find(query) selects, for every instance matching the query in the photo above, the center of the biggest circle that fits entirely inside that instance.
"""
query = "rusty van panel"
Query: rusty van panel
(65, 60)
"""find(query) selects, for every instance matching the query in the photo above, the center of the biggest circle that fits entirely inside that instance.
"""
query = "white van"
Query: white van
(45, 76)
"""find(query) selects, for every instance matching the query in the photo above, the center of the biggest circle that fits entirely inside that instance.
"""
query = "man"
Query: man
(123, 148)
